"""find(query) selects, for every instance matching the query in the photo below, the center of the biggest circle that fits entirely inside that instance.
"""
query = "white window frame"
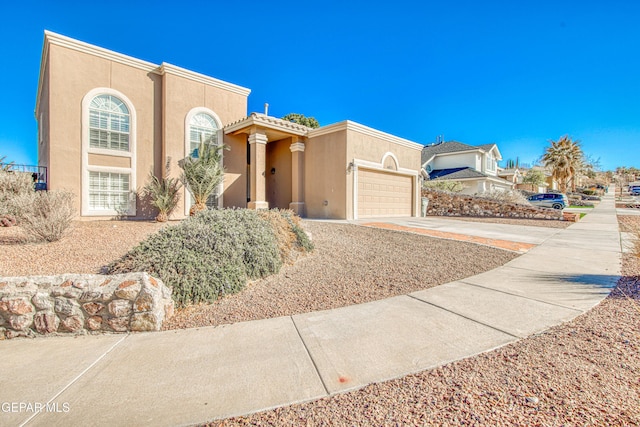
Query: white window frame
(187, 150)
(123, 171)
(86, 150)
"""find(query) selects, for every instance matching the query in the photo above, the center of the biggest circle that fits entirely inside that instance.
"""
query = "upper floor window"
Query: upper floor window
(109, 122)
(202, 127)
(490, 163)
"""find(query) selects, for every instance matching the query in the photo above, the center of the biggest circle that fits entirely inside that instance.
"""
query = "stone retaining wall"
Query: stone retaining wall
(79, 304)
(448, 204)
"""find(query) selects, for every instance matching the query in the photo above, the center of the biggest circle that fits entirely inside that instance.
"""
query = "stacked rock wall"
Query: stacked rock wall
(82, 303)
(449, 204)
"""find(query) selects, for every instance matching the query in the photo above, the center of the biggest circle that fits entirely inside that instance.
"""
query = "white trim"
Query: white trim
(166, 68)
(258, 138)
(187, 150)
(86, 150)
(379, 167)
(297, 146)
(51, 38)
(393, 156)
(85, 191)
(356, 127)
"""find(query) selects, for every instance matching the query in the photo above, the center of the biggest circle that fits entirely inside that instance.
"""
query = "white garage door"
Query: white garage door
(382, 194)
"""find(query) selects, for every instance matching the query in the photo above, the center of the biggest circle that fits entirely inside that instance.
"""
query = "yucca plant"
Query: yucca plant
(202, 174)
(163, 192)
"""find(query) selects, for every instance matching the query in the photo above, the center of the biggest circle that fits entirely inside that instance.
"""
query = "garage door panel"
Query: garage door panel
(383, 194)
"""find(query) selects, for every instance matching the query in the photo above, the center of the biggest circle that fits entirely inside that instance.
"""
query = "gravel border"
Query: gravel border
(511, 221)
(584, 372)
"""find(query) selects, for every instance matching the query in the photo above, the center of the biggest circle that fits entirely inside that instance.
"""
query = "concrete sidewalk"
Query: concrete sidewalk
(190, 376)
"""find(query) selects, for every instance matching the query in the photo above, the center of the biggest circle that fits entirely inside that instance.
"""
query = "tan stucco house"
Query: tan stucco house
(476, 167)
(106, 120)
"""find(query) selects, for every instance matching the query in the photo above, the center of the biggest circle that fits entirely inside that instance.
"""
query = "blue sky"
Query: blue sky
(516, 73)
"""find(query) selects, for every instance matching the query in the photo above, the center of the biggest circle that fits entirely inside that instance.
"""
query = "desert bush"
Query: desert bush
(45, 215)
(164, 193)
(208, 255)
(291, 238)
(442, 185)
(508, 196)
(13, 185)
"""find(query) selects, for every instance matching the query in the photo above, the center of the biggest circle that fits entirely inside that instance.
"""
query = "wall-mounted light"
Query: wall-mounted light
(350, 167)
(273, 171)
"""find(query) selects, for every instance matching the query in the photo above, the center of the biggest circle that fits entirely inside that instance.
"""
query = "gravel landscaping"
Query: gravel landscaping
(89, 247)
(350, 265)
(584, 372)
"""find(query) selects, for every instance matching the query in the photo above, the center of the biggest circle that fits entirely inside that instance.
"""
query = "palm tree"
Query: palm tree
(203, 173)
(565, 158)
(163, 192)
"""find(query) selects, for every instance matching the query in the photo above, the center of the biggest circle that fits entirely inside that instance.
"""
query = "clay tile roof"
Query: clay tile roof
(274, 122)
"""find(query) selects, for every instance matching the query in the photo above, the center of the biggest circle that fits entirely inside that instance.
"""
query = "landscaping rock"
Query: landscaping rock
(46, 322)
(73, 323)
(42, 301)
(120, 308)
(94, 323)
(20, 322)
(80, 303)
(145, 322)
(119, 324)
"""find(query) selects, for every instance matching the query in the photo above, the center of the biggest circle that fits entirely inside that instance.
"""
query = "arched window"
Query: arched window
(202, 127)
(109, 122)
(108, 153)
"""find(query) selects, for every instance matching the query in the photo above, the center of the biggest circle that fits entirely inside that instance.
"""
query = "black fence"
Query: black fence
(38, 173)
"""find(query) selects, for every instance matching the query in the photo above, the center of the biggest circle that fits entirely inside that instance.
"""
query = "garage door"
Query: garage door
(383, 194)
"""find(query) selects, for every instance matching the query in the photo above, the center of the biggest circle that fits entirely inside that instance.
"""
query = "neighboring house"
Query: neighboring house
(475, 167)
(106, 120)
(513, 175)
(549, 184)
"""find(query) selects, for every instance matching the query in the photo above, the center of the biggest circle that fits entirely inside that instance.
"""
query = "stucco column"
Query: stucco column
(297, 177)
(258, 149)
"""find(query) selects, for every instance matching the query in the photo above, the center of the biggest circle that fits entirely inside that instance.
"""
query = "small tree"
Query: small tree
(163, 192)
(301, 119)
(202, 174)
(535, 177)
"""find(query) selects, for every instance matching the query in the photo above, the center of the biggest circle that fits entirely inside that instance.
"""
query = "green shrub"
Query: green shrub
(207, 256)
(45, 215)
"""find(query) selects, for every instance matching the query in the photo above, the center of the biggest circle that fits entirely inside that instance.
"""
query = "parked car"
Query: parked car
(549, 200)
(634, 190)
